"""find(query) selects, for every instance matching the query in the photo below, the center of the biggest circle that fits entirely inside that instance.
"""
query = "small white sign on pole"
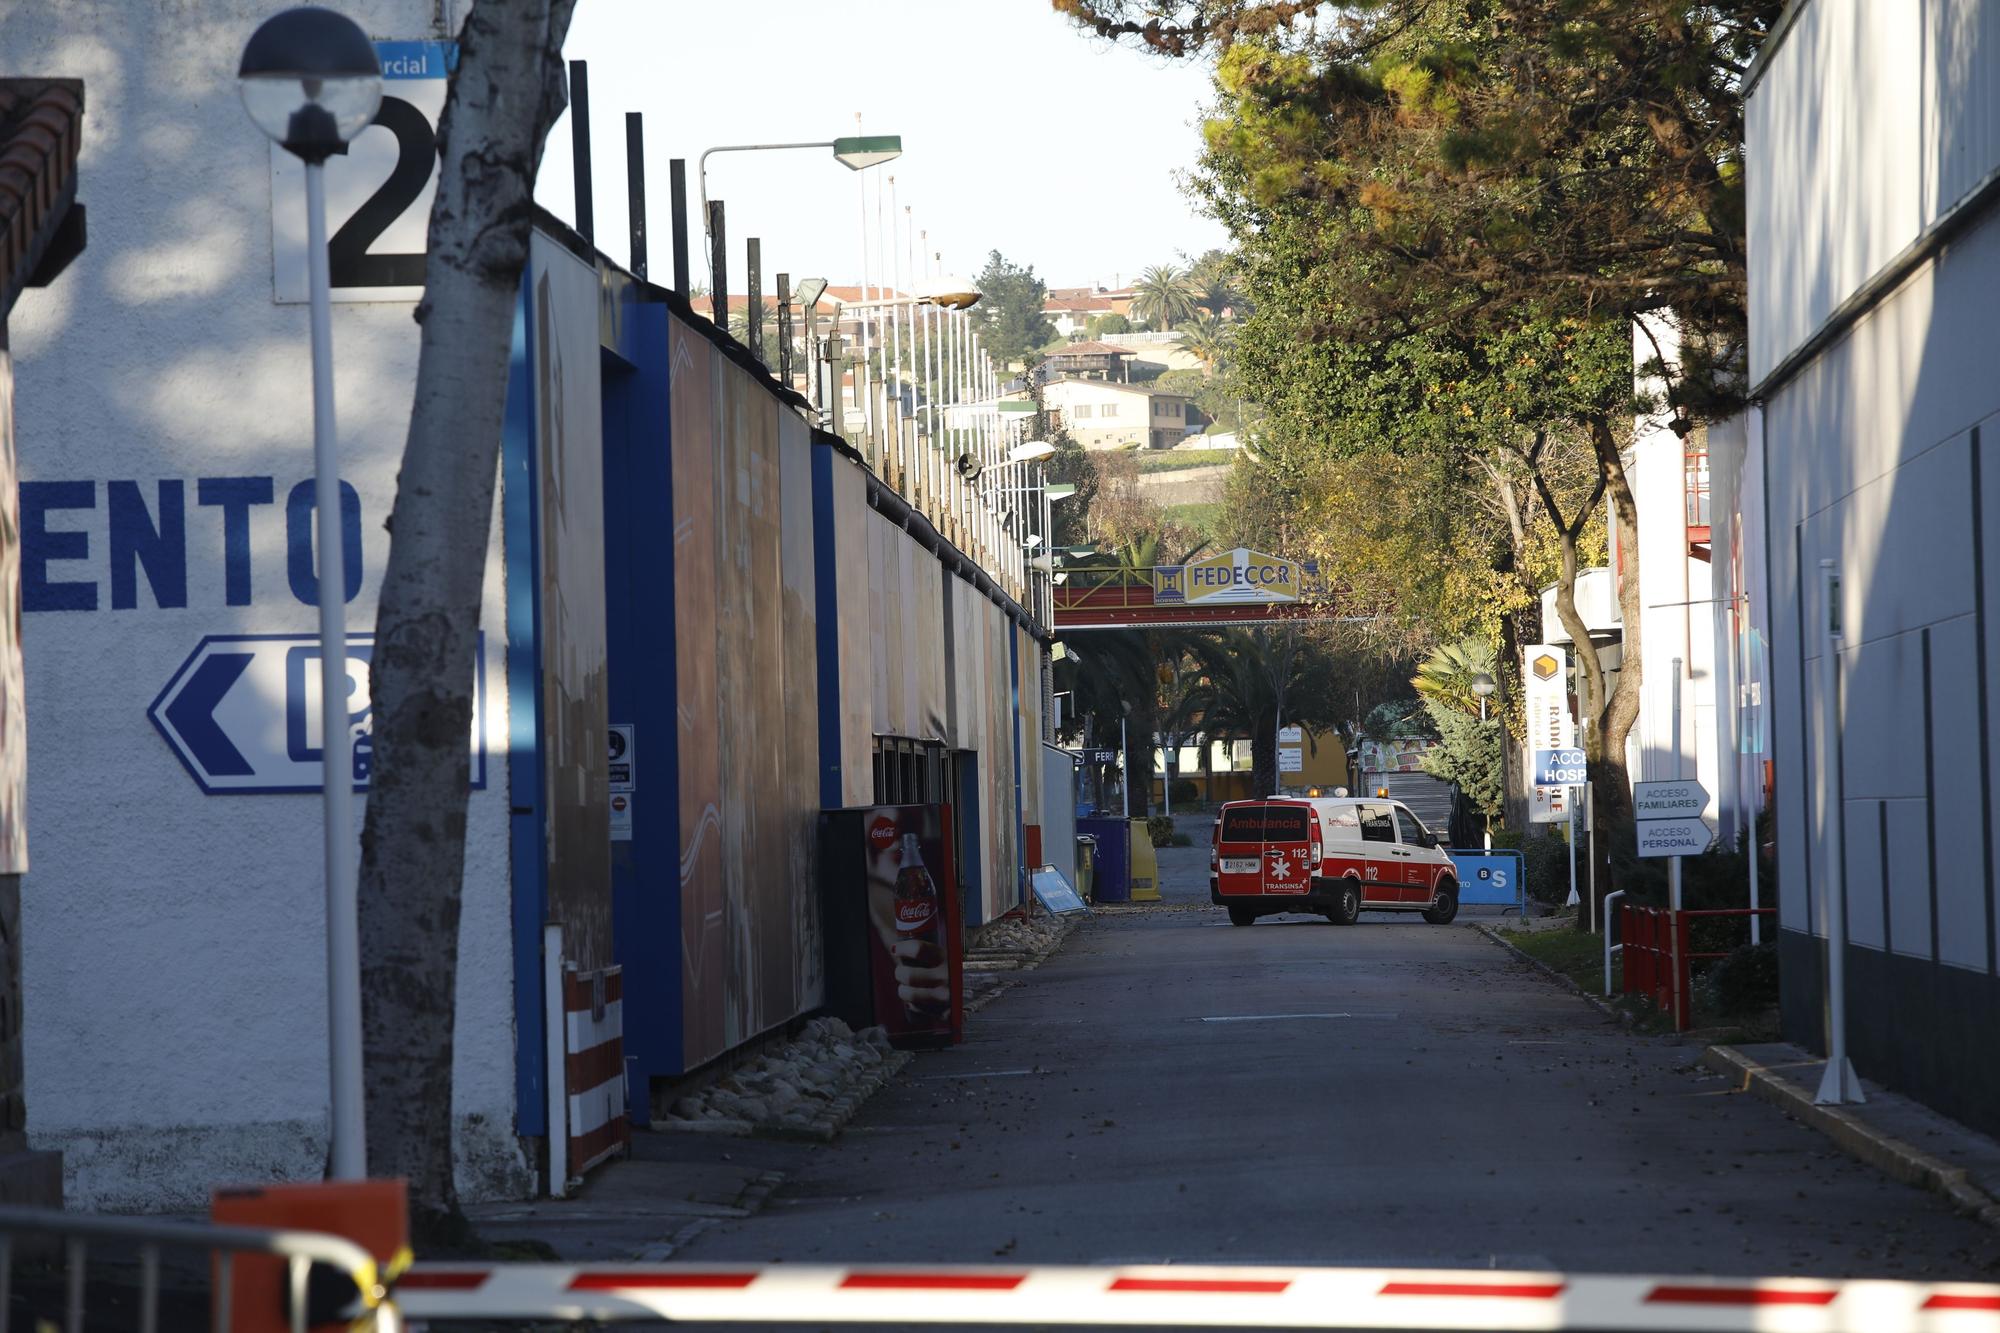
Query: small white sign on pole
(1673, 837)
(1669, 817)
(1674, 799)
(1291, 761)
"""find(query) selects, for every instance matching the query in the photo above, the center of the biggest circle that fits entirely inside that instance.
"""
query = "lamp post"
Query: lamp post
(1483, 685)
(856, 152)
(311, 81)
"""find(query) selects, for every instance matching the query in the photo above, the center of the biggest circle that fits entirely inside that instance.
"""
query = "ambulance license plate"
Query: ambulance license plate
(1239, 865)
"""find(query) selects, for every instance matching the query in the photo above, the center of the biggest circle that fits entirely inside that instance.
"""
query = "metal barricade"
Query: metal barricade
(1656, 944)
(299, 1251)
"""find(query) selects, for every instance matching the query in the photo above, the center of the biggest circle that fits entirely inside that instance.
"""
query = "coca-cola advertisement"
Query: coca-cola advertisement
(900, 914)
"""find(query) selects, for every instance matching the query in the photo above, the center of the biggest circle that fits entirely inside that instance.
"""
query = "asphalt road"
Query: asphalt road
(1173, 1089)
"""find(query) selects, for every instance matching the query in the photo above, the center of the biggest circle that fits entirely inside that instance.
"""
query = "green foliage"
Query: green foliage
(1099, 325)
(1545, 862)
(1448, 675)
(1163, 297)
(1160, 829)
(1185, 792)
(1009, 313)
(1179, 460)
(1207, 339)
(1470, 753)
(1745, 981)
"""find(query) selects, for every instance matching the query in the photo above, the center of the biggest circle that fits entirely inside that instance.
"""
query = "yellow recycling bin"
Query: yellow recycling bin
(1145, 867)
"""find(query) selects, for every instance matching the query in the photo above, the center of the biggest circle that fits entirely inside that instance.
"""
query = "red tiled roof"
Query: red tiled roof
(1077, 303)
(41, 127)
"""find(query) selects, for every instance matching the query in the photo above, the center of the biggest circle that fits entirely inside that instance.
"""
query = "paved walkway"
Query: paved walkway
(1170, 1088)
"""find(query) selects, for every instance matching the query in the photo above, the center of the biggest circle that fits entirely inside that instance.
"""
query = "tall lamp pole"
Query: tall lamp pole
(310, 80)
(1483, 685)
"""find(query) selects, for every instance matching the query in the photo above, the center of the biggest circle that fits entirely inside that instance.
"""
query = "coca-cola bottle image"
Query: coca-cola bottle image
(923, 980)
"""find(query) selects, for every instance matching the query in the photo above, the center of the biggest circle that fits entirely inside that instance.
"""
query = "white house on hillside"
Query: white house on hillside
(1103, 414)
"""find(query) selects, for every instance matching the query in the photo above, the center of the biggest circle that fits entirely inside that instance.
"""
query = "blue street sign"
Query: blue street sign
(1559, 768)
(242, 714)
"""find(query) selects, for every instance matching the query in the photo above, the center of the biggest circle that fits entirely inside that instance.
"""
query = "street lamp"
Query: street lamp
(1483, 685)
(311, 81)
(856, 152)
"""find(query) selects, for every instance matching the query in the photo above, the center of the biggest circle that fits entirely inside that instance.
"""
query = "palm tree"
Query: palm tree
(1446, 676)
(1214, 280)
(1163, 296)
(1258, 676)
(1206, 338)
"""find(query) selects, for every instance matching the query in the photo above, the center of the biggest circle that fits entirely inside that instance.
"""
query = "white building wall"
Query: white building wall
(1674, 596)
(174, 947)
(1868, 124)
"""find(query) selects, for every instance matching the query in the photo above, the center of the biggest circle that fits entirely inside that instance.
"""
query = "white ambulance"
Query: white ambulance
(1335, 856)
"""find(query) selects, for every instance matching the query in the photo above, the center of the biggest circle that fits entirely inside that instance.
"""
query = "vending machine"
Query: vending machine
(890, 908)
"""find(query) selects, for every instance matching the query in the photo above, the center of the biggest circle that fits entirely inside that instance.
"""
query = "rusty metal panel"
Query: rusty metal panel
(751, 671)
(923, 643)
(569, 452)
(694, 451)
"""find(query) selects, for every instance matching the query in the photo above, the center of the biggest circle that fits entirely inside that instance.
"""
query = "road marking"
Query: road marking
(983, 1073)
(1279, 1018)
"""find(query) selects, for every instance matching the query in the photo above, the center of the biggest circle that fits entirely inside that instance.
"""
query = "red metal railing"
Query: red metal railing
(1658, 954)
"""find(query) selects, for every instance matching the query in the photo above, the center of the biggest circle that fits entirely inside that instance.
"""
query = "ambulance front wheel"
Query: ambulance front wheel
(1241, 916)
(1346, 909)
(1444, 905)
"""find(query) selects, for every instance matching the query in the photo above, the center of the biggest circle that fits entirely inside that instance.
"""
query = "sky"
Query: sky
(1020, 133)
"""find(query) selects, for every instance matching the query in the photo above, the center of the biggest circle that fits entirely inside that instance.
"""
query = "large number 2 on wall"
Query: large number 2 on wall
(347, 253)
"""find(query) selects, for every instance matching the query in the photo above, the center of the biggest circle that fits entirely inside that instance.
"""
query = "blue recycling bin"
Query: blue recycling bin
(1111, 880)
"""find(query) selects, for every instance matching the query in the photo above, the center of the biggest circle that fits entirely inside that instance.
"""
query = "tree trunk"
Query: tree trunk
(1610, 784)
(1139, 761)
(1264, 756)
(507, 91)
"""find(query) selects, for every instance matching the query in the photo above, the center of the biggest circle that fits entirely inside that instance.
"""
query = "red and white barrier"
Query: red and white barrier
(1352, 1298)
(594, 1066)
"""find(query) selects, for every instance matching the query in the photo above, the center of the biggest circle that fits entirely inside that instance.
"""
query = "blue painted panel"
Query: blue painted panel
(826, 620)
(1495, 878)
(524, 693)
(644, 688)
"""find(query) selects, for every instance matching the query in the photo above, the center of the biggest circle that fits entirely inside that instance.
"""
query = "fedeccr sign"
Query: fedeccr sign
(1241, 575)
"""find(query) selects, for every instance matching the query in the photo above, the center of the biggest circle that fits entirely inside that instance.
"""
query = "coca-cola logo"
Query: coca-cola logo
(915, 913)
(882, 834)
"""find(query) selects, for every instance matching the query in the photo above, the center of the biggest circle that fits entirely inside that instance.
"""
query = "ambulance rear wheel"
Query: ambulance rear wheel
(1346, 909)
(1241, 916)
(1444, 905)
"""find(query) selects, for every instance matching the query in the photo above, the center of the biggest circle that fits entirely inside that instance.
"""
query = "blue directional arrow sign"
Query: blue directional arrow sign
(242, 714)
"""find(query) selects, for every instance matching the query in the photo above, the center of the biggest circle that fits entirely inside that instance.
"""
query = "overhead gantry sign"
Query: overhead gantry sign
(1239, 587)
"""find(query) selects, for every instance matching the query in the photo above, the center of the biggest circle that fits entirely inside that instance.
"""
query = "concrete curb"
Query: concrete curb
(1857, 1139)
(1597, 1002)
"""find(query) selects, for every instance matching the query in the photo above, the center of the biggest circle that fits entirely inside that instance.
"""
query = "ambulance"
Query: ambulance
(1334, 856)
